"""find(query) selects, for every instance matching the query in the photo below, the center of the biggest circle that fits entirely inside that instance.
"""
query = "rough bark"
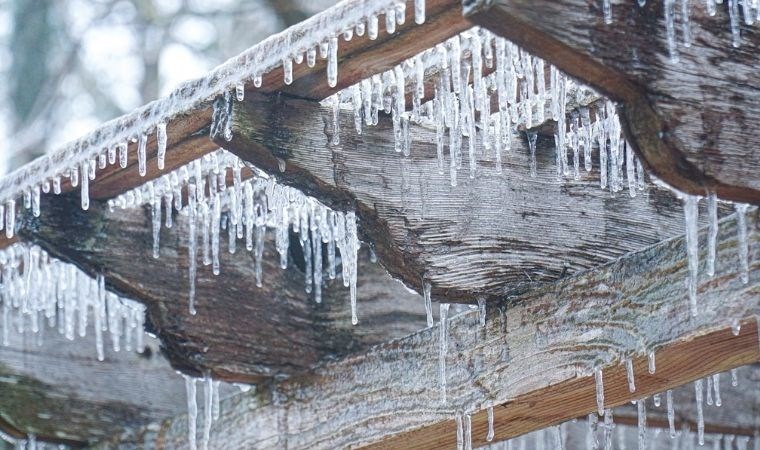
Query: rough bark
(533, 360)
(688, 120)
(494, 234)
(240, 332)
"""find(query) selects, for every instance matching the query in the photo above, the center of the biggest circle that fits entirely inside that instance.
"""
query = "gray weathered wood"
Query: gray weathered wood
(490, 235)
(691, 120)
(534, 360)
(240, 332)
(58, 390)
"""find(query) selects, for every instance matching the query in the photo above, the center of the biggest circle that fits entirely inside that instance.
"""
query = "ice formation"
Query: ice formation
(38, 291)
(77, 161)
(246, 209)
(473, 71)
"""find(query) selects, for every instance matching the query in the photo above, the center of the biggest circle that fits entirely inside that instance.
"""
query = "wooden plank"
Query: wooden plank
(689, 121)
(187, 112)
(58, 390)
(533, 360)
(492, 234)
(241, 332)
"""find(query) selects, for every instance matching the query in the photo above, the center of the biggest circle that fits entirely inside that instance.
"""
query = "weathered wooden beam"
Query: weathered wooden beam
(496, 233)
(187, 110)
(241, 332)
(690, 120)
(533, 360)
(59, 391)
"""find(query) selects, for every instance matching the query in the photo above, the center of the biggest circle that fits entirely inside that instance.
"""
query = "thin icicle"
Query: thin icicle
(192, 411)
(161, 143)
(489, 436)
(428, 303)
(743, 244)
(651, 363)
(332, 62)
(629, 374)
(733, 15)
(460, 430)
(419, 12)
(532, 137)
(467, 432)
(141, 157)
(208, 405)
(691, 212)
(607, 10)
(599, 390)
(591, 442)
(609, 425)
(443, 348)
(642, 423)
(712, 231)
(699, 391)
(716, 388)
(671, 413)
(670, 27)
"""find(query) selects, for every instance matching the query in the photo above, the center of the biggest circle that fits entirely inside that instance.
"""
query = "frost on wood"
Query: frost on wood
(39, 291)
(225, 195)
(78, 160)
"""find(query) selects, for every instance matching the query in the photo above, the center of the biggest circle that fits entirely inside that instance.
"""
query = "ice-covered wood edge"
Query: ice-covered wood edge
(59, 391)
(690, 120)
(533, 360)
(186, 110)
(241, 332)
(494, 234)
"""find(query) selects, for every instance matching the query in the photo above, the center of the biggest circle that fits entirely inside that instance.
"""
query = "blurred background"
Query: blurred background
(68, 65)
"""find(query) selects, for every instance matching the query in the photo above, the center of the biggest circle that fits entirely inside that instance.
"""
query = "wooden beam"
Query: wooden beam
(241, 332)
(489, 235)
(533, 360)
(689, 120)
(187, 110)
(59, 391)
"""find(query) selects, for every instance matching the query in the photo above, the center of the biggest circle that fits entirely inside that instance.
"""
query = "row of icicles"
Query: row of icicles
(750, 13)
(38, 291)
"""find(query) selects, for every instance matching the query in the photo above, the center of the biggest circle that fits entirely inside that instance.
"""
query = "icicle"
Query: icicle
(240, 92)
(372, 27)
(691, 212)
(156, 220)
(428, 303)
(733, 15)
(712, 232)
(311, 57)
(489, 436)
(482, 311)
(685, 23)
(700, 413)
(670, 26)
(591, 442)
(656, 399)
(709, 399)
(716, 388)
(215, 219)
(141, 147)
(642, 423)
(460, 430)
(671, 413)
(332, 62)
(287, 70)
(741, 224)
(192, 411)
(208, 398)
(467, 432)
(599, 390)
(651, 362)
(85, 188)
(558, 440)
(608, 426)
(215, 394)
(335, 103)
(161, 143)
(532, 137)
(99, 316)
(10, 218)
(443, 347)
(191, 247)
(629, 374)
(736, 327)
(734, 378)
(711, 10)
(607, 9)
(419, 12)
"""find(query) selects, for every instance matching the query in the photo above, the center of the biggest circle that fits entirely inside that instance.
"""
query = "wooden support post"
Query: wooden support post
(533, 360)
(689, 120)
(496, 233)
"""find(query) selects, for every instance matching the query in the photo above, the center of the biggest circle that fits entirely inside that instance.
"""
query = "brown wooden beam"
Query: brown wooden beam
(533, 360)
(489, 235)
(688, 120)
(241, 332)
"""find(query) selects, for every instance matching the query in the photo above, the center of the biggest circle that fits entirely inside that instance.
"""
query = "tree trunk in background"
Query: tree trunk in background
(31, 38)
